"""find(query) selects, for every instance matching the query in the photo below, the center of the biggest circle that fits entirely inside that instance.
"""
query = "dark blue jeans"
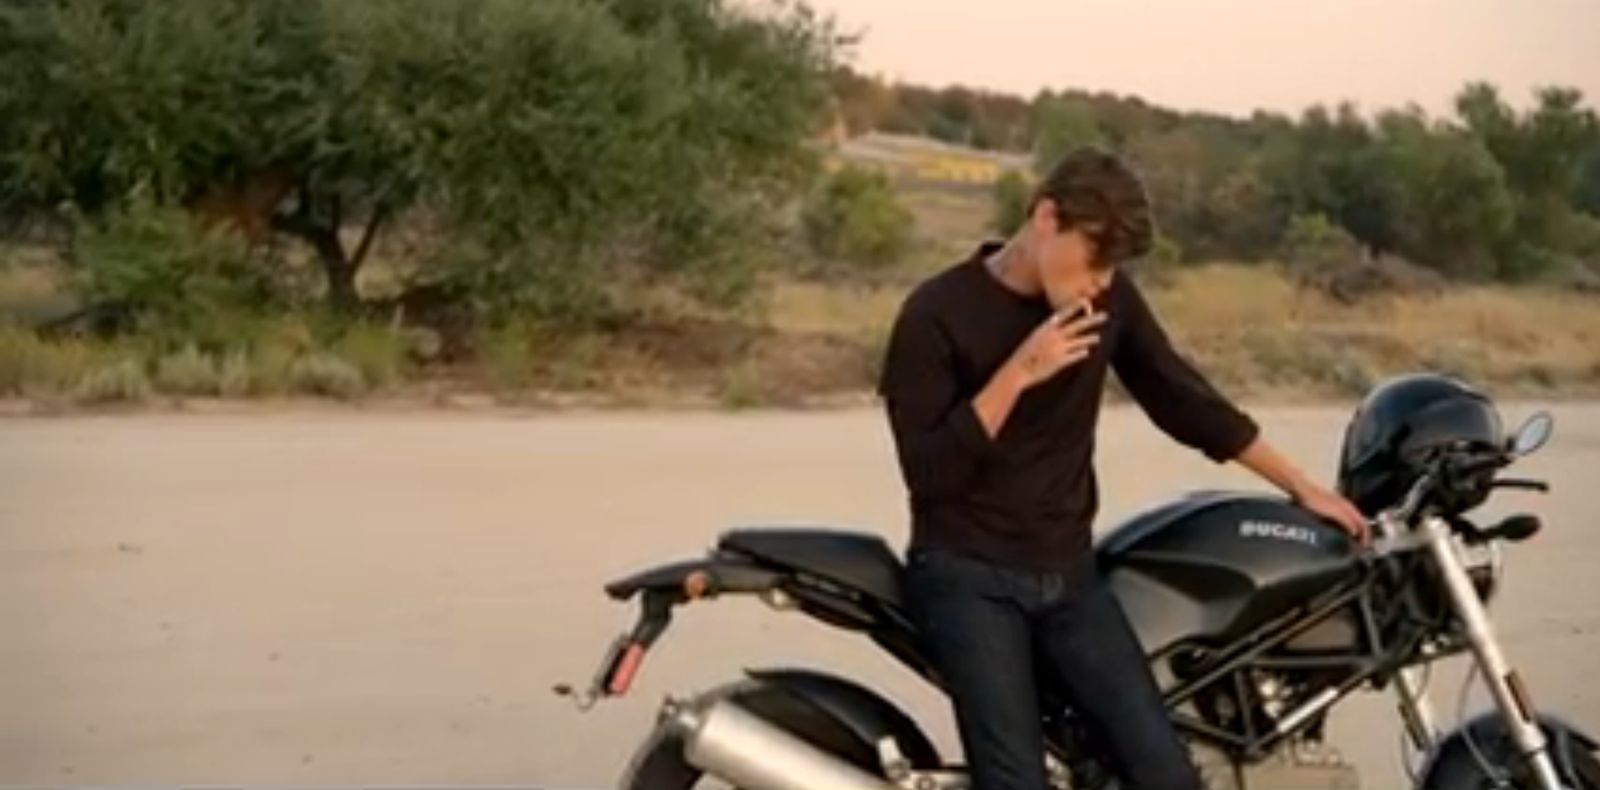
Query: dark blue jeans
(983, 625)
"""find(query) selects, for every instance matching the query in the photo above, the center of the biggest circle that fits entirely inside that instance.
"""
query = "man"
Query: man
(993, 383)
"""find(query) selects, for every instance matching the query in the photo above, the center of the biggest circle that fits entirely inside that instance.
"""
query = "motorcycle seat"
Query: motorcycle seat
(857, 560)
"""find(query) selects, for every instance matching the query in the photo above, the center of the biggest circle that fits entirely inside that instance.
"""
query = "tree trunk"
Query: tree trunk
(341, 276)
(338, 267)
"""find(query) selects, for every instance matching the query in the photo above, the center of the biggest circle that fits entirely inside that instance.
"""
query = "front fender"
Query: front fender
(1455, 765)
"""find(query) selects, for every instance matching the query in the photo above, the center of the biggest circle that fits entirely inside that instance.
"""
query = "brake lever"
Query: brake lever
(1477, 465)
(1523, 484)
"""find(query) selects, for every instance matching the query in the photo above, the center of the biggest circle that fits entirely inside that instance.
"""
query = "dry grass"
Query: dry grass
(1258, 335)
(847, 310)
(1251, 328)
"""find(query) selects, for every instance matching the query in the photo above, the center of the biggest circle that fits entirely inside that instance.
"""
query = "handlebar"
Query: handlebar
(1445, 472)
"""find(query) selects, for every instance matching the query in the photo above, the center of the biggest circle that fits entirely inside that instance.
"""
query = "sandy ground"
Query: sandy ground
(387, 599)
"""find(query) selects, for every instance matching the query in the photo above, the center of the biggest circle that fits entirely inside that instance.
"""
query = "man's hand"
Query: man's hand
(1056, 345)
(1335, 508)
(1262, 459)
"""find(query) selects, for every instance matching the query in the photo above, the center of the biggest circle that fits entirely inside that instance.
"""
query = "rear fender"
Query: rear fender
(852, 710)
(1455, 765)
(830, 713)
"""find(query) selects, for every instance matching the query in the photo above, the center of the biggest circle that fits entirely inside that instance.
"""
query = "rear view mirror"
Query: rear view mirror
(1532, 435)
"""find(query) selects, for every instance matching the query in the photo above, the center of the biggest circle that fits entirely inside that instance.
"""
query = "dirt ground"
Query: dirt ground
(338, 598)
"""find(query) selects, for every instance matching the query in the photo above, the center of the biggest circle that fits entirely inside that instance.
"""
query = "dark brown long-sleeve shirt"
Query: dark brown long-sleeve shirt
(1026, 498)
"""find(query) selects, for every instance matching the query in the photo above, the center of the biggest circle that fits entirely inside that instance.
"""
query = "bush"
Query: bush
(573, 363)
(327, 375)
(1157, 268)
(1012, 194)
(236, 378)
(31, 366)
(120, 382)
(855, 217)
(177, 280)
(741, 387)
(1312, 240)
(188, 372)
(507, 356)
(379, 352)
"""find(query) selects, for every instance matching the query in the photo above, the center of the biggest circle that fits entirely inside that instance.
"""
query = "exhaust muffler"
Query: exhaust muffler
(728, 741)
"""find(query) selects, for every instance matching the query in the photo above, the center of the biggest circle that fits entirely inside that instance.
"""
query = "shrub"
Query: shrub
(187, 372)
(741, 387)
(1157, 268)
(1011, 195)
(1311, 240)
(31, 366)
(177, 280)
(855, 217)
(123, 381)
(236, 378)
(507, 357)
(576, 362)
(327, 375)
(377, 351)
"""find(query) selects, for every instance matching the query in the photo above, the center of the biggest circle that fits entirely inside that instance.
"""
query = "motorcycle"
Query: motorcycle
(1257, 618)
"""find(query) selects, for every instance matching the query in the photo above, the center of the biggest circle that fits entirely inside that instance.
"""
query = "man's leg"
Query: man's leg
(1099, 662)
(978, 638)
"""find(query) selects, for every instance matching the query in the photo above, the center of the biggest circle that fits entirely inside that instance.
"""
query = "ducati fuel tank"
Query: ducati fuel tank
(1212, 566)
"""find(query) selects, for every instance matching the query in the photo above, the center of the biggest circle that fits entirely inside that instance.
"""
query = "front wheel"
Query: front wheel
(1482, 756)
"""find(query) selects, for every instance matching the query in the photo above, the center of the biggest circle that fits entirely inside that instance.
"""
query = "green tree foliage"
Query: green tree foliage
(1060, 125)
(855, 218)
(1314, 240)
(559, 140)
(1586, 194)
(1545, 154)
(1492, 191)
(1454, 208)
(1012, 194)
(173, 279)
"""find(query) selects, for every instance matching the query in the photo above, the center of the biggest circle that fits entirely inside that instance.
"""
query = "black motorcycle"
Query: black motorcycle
(1257, 617)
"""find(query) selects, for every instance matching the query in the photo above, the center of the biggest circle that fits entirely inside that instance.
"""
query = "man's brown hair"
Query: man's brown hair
(1098, 192)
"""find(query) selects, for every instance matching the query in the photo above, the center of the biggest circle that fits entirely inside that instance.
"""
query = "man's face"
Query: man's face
(1067, 259)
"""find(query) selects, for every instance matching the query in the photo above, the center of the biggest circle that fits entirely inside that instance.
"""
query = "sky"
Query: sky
(1234, 56)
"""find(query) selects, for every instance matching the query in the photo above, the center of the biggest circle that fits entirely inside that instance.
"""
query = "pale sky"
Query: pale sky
(1233, 56)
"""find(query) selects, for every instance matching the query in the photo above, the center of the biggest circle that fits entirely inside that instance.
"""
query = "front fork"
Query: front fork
(1510, 695)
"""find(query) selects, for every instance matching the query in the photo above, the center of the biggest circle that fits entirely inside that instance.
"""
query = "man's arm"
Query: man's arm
(1174, 395)
(1184, 405)
(1270, 465)
(941, 438)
